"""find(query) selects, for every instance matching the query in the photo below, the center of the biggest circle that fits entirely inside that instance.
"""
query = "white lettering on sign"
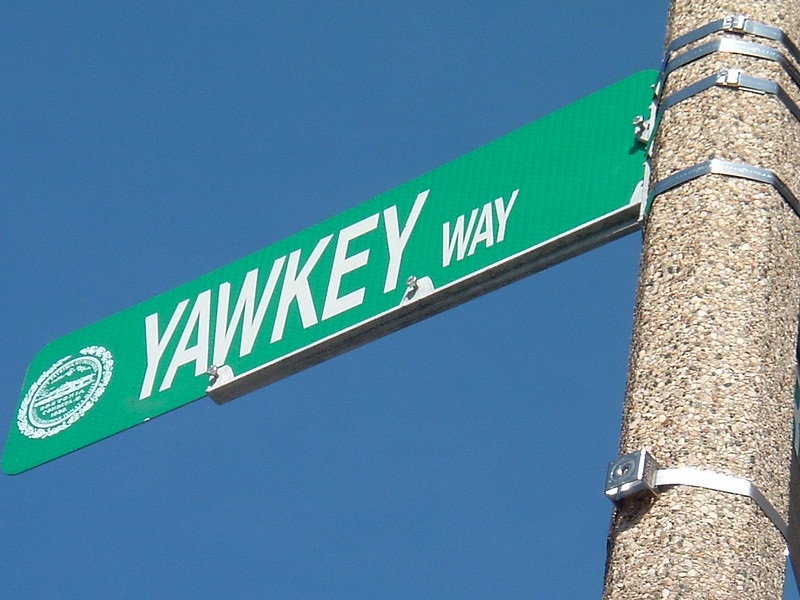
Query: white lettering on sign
(287, 284)
(155, 347)
(464, 242)
(343, 264)
(295, 287)
(397, 240)
(245, 311)
(199, 320)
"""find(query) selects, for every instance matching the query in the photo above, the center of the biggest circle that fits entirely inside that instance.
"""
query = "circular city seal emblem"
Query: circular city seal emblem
(64, 392)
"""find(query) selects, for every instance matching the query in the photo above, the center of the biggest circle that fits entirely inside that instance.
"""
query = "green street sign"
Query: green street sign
(541, 194)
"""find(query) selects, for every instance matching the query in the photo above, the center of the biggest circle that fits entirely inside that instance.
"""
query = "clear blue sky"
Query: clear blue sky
(145, 144)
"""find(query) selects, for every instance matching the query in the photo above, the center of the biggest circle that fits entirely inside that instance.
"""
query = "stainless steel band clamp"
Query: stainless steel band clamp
(734, 24)
(730, 46)
(718, 166)
(733, 79)
(730, 78)
(638, 474)
(738, 24)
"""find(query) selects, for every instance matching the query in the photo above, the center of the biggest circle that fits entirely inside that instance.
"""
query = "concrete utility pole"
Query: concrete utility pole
(713, 353)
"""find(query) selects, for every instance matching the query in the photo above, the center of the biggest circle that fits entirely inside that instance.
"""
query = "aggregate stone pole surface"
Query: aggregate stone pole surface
(712, 359)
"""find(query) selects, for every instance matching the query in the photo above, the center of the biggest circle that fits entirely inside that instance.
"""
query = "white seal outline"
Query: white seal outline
(24, 424)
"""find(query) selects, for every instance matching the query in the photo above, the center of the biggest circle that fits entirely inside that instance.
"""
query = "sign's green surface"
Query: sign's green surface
(536, 196)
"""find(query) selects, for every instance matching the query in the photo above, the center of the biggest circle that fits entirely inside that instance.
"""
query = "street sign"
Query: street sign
(793, 535)
(548, 191)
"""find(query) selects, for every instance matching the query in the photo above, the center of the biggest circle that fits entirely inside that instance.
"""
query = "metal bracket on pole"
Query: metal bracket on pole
(718, 166)
(731, 46)
(644, 127)
(731, 79)
(735, 24)
(638, 474)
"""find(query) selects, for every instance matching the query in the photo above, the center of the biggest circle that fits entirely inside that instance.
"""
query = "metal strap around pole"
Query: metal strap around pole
(731, 46)
(638, 474)
(718, 166)
(722, 483)
(735, 24)
(732, 79)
